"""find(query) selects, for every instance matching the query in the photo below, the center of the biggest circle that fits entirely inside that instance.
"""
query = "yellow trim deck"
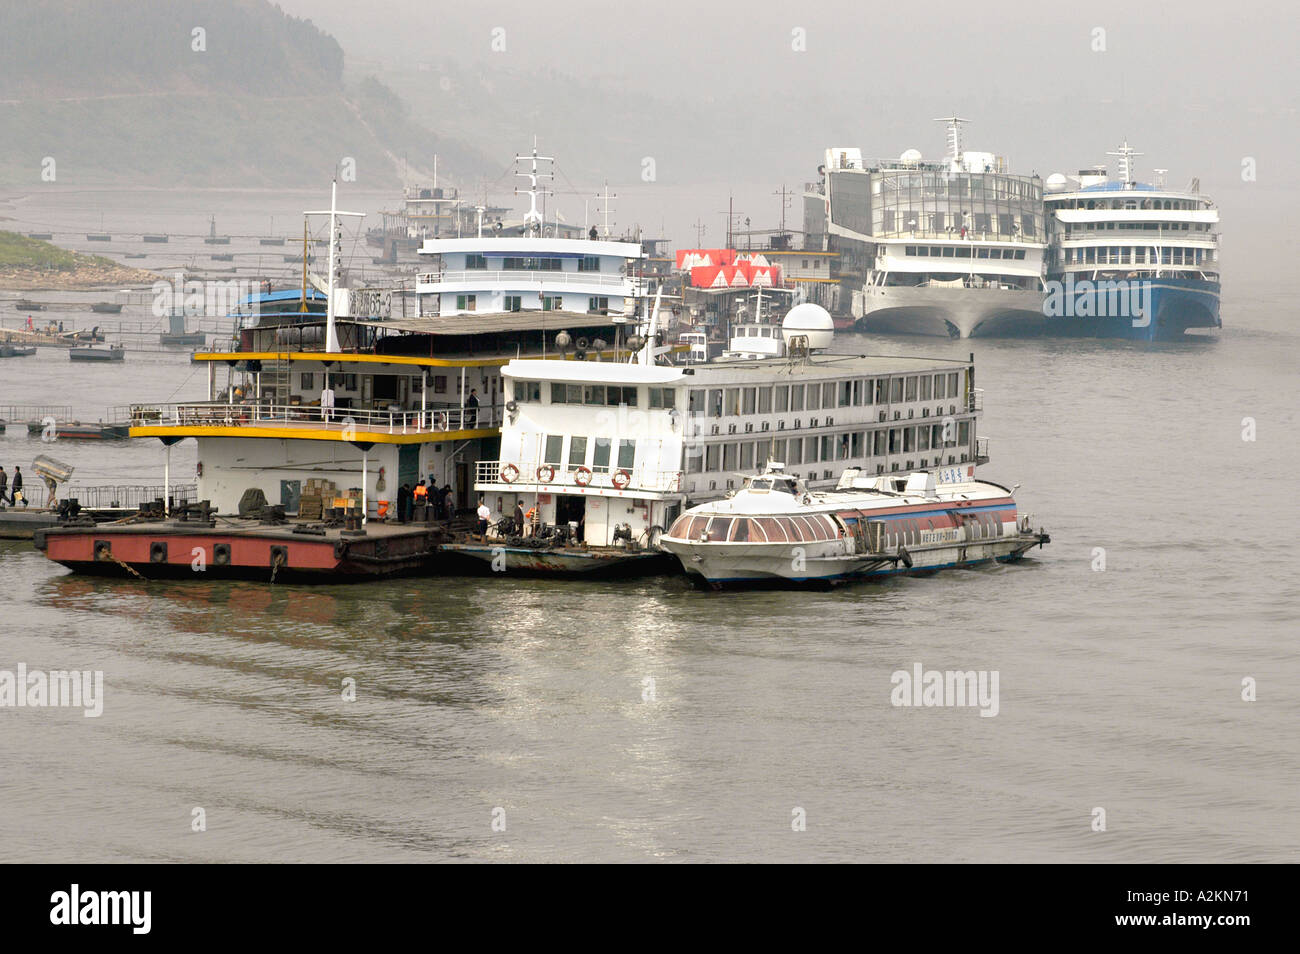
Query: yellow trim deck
(309, 433)
(343, 357)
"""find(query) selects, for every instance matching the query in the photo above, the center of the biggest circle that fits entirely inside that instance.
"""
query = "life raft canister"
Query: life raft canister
(509, 473)
(621, 479)
(582, 476)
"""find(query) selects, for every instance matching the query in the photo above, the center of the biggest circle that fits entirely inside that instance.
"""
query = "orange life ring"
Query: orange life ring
(582, 476)
(509, 472)
(621, 479)
(548, 470)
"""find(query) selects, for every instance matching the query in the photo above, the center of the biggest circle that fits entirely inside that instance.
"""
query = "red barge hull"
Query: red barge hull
(175, 551)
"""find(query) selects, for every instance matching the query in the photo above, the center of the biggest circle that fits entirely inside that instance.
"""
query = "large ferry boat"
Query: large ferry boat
(331, 403)
(1130, 259)
(616, 450)
(950, 247)
(775, 529)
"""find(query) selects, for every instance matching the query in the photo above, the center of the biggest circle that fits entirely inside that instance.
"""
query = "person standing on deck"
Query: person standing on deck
(403, 502)
(4, 485)
(448, 503)
(519, 517)
(327, 402)
(484, 515)
(471, 408)
(18, 486)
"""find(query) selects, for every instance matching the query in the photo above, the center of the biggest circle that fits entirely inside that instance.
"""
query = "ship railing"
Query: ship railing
(954, 235)
(20, 413)
(567, 478)
(125, 496)
(484, 278)
(391, 420)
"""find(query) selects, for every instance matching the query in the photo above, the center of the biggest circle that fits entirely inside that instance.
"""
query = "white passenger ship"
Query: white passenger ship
(774, 529)
(1130, 259)
(616, 450)
(951, 247)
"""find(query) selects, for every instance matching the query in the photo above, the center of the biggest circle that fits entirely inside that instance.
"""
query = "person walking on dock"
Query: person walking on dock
(484, 515)
(18, 487)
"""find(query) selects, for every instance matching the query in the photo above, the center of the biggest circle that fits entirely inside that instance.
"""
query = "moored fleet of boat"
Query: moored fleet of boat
(546, 410)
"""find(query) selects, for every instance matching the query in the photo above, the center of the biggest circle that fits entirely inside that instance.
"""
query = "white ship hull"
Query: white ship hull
(831, 563)
(951, 312)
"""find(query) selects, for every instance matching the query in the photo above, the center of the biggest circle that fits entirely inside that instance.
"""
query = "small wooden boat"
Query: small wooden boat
(114, 353)
(176, 335)
(77, 431)
(8, 350)
(106, 308)
(26, 304)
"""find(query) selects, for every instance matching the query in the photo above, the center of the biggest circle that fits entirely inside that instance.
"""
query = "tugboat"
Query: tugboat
(774, 530)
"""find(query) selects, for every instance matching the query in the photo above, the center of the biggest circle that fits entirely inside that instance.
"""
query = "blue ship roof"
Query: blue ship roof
(289, 294)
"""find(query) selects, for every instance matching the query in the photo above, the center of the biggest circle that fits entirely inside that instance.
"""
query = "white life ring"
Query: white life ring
(621, 479)
(546, 473)
(509, 472)
(582, 476)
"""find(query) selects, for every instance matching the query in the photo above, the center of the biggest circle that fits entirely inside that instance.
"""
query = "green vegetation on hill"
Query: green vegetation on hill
(19, 251)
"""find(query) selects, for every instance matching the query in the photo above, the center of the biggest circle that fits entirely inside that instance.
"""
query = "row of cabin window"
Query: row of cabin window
(848, 445)
(963, 251)
(857, 392)
(813, 528)
(553, 452)
(1072, 227)
(588, 263)
(1137, 255)
(596, 304)
(898, 531)
(597, 395)
(1131, 204)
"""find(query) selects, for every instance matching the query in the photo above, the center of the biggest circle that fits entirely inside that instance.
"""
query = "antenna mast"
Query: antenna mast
(533, 218)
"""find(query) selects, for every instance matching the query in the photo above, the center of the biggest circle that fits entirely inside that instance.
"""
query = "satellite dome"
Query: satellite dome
(811, 320)
(1056, 182)
(910, 156)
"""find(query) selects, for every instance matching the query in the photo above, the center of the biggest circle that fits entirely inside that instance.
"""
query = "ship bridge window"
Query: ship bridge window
(600, 459)
(589, 263)
(761, 484)
(662, 397)
(695, 401)
(531, 264)
(626, 454)
(577, 452)
(528, 391)
(475, 261)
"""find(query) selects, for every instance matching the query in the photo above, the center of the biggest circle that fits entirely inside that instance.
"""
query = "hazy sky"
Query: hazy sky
(1198, 86)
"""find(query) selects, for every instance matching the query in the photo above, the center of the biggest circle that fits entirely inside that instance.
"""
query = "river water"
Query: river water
(647, 720)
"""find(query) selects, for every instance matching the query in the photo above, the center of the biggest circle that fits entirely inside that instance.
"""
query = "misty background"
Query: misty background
(716, 101)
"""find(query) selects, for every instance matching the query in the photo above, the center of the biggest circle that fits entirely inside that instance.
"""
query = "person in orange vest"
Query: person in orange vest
(420, 498)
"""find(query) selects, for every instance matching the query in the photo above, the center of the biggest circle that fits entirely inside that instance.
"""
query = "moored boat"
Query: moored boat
(114, 353)
(775, 530)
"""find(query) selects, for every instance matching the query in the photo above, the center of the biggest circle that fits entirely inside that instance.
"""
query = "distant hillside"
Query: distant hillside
(118, 93)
